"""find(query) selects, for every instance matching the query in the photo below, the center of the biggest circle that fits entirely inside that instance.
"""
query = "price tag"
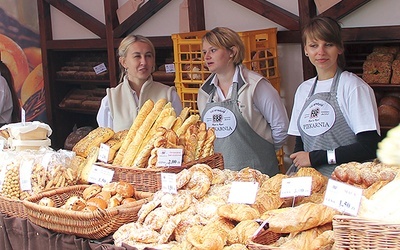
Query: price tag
(100, 68)
(243, 192)
(169, 68)
(169, 157)
(46, 160)
(104, 152)
(296, 186)
(100, 175)
(25, 172)
(168, 183)
(343, 197)
(23, 116)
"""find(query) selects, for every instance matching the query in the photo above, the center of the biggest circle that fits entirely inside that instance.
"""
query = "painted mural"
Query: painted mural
(20, 51)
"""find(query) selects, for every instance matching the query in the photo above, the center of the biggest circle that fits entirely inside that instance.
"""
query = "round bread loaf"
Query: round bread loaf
(393, 101)
(388, 115)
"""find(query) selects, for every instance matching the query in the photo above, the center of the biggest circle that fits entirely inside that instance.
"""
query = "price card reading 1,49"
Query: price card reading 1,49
(343, 197)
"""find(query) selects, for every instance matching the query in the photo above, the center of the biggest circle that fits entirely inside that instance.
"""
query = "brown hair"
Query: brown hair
(222, 37)
(124, 45)
(6, 73)
(326, 29)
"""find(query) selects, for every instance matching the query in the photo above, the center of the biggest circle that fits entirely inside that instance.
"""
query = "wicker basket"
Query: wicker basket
(149, 179)
(12, 208)
(92, 225)
(263, 239)
(358, 233)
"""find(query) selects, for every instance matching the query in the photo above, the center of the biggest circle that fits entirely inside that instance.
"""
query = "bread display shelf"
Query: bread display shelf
(92, 225)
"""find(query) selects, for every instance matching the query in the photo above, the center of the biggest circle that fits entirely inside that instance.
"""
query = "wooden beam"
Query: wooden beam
(343, 8)
(139, 17)
(196, 15)
(110, 8)
(307, 10)
(272, 12)
(79, 16)
(380, 34)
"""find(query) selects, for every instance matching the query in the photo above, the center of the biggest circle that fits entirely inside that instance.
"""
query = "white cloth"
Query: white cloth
(356, 101)
(6, 103)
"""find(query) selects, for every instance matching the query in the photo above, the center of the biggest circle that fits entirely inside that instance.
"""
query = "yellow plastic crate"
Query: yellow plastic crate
(191, 71)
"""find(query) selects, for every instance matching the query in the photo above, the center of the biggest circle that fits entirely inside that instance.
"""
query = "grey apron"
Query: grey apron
(240, 146)
(322, 125)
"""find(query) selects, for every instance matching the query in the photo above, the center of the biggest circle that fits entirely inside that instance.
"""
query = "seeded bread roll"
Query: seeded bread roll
(93, 139)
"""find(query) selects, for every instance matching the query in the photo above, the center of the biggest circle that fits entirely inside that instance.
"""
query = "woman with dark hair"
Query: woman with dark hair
(9, 104)
(334, 116)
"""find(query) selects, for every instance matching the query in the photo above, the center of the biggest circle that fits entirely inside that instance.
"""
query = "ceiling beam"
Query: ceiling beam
(139, 17)
(272, 12)
(79, 16)
(343, 8)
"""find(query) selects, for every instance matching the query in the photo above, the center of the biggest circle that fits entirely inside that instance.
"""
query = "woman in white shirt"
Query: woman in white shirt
(121, 105)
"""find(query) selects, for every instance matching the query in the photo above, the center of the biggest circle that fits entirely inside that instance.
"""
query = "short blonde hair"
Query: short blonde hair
(222, 37)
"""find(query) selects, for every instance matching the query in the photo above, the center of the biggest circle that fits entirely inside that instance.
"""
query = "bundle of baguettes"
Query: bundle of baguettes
(158, 126)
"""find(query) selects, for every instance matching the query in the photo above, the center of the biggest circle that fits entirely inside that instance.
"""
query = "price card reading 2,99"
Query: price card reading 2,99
(343, 197)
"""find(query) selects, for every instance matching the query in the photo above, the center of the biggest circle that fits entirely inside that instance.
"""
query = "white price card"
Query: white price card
(25, 172)
(104, 152)
(296, 186)
(169, 68)
(100, 68)
(343, 197)
(169, 157)
(243, 192)
(46, 160)
(100, 175)
(168, 183)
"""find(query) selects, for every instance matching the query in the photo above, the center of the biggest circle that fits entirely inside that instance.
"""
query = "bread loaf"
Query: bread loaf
(76, 136)
(93, 139)
(393, 101)
(388, 115)
(395, 72)
(377, 71)
(300, 218)
(143, 112)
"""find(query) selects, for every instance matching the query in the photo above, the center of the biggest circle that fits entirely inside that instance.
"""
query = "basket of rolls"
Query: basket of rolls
(133, 154)
(89, 211)
(29, 172)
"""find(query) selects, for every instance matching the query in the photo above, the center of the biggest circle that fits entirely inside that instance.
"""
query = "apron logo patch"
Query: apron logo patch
(217, 117)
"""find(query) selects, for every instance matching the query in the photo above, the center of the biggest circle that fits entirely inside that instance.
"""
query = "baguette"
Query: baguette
(185, 113)
(193, 119)
(300, 218)
(141, 133)
(177, 124)
(93, 139)
(143, 156)
(143, 113)
(115, 143)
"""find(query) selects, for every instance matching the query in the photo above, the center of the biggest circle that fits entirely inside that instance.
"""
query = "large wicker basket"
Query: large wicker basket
(358, 233)
(92, 225)
(149, 179)
(12, 208)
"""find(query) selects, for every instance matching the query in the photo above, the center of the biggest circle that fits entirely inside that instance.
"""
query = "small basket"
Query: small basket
(357, 233)
(92, 225)
(12, 207)
(149, 179)
(263, 240)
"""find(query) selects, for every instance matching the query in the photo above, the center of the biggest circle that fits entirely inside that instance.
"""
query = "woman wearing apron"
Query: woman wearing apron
(334, 116)
(247, 113)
